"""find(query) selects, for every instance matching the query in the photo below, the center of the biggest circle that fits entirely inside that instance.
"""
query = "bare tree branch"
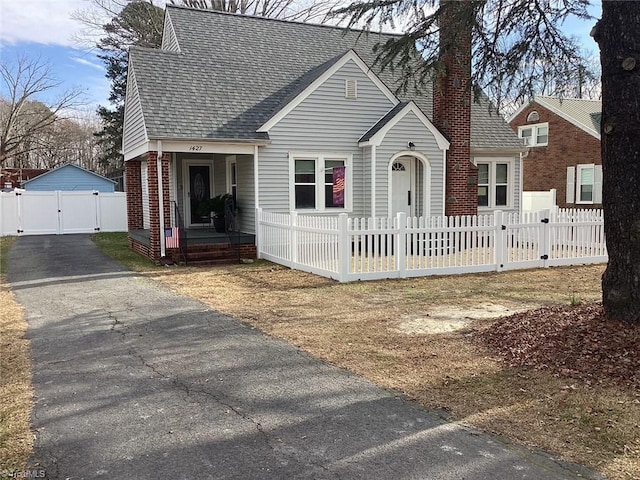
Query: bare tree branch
(24, 111)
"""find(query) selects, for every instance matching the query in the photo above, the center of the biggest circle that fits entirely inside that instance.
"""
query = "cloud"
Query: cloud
(88, 63)
(39, 21)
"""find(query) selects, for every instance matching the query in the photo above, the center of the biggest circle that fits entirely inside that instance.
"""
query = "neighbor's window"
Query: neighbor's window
(535, 135)
(493, 184)
(586, 179)
(313, 182)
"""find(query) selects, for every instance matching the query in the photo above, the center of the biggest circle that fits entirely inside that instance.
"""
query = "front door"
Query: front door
(199, 190)
(402, 196)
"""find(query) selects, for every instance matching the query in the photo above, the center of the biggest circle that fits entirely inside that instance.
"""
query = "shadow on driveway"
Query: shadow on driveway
(134, 381)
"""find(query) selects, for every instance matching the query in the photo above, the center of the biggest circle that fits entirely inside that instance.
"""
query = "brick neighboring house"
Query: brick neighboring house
(564, 149)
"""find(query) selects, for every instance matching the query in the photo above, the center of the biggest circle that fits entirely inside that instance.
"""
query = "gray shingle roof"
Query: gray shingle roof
(583, 113)
(234, 72)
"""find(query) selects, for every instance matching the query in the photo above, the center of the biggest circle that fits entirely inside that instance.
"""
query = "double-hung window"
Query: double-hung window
(585, 182)
(585, 179)
(535, 135)
(320, 182)
(494, 182)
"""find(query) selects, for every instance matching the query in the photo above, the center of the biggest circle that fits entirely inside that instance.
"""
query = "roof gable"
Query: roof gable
(584, 114)
(57, 170)
(169, 38)
(320, 77)
(376, 134)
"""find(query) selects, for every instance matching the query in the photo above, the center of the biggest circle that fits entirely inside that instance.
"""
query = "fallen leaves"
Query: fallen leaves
(569, 341)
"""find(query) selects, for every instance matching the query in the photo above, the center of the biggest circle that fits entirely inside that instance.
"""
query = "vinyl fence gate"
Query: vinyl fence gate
(61, 212)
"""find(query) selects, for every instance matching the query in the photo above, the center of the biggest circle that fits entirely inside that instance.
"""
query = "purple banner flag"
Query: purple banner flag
(338, 186)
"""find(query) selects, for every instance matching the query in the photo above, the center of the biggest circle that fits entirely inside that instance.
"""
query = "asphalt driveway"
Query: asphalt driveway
(133, 381)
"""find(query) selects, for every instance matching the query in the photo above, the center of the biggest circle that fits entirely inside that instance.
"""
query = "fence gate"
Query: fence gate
(61, 212)
(37, 213)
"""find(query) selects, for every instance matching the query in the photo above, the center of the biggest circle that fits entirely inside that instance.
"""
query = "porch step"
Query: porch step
(211, 256)
(211, 263)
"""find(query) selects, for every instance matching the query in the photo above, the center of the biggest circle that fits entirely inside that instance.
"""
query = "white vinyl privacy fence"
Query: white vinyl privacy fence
(349, 249)
(60, 212)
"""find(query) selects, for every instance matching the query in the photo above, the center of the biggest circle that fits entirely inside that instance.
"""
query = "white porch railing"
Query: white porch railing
(349, 249)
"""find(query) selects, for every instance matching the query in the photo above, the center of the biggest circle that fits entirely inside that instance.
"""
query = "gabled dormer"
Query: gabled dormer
(169, 38)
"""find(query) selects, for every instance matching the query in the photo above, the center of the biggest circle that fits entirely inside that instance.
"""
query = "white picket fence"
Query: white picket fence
(61, 212)
(349, 249)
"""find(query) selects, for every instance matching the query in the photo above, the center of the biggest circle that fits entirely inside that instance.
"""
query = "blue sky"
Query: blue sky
(45, 29)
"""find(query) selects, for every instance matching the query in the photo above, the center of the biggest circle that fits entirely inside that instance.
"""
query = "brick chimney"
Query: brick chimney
(452, 111)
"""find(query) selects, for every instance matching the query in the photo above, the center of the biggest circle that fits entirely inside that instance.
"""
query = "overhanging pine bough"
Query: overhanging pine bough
(518, 45)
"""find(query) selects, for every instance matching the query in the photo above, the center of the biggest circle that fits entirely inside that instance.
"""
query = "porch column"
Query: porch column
(134, 194)
(154, 210)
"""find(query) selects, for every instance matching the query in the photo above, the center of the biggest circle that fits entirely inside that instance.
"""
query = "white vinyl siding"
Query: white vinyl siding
(134, 133)
(169, 39)
(410, 129)
(219, 175)
(325, 122)
(245, 193)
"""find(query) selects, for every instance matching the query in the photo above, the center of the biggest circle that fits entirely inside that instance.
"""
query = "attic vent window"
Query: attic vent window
(350, 89)
(533, 117)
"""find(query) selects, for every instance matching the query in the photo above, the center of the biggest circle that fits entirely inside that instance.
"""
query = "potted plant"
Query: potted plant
(216, 206)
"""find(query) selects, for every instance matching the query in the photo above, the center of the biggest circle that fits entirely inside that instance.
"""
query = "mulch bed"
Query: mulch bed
(572, 341)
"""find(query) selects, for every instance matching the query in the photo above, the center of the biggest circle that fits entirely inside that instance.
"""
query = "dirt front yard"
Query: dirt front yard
(423, 337)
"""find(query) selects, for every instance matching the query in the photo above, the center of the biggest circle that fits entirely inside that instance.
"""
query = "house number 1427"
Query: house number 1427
(195, 148)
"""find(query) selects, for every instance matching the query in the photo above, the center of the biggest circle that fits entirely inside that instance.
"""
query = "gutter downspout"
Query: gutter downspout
(163, 252)
(256, 199)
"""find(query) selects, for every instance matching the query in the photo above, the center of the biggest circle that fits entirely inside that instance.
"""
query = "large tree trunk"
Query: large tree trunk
(617, 35)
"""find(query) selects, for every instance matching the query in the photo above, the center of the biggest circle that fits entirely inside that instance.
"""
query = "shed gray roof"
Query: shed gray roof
(234, 72)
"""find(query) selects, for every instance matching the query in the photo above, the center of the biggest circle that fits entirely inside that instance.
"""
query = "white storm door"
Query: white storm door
(402, 195)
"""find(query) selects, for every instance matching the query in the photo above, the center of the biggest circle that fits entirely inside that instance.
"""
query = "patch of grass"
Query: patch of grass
(360, 327)
(574, 300)
(116, 245)
(16, 391)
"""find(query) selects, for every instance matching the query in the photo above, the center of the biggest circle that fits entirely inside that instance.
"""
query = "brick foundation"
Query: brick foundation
(214, 253)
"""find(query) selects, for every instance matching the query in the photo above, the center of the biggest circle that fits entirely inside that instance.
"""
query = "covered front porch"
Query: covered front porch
(177, 200)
